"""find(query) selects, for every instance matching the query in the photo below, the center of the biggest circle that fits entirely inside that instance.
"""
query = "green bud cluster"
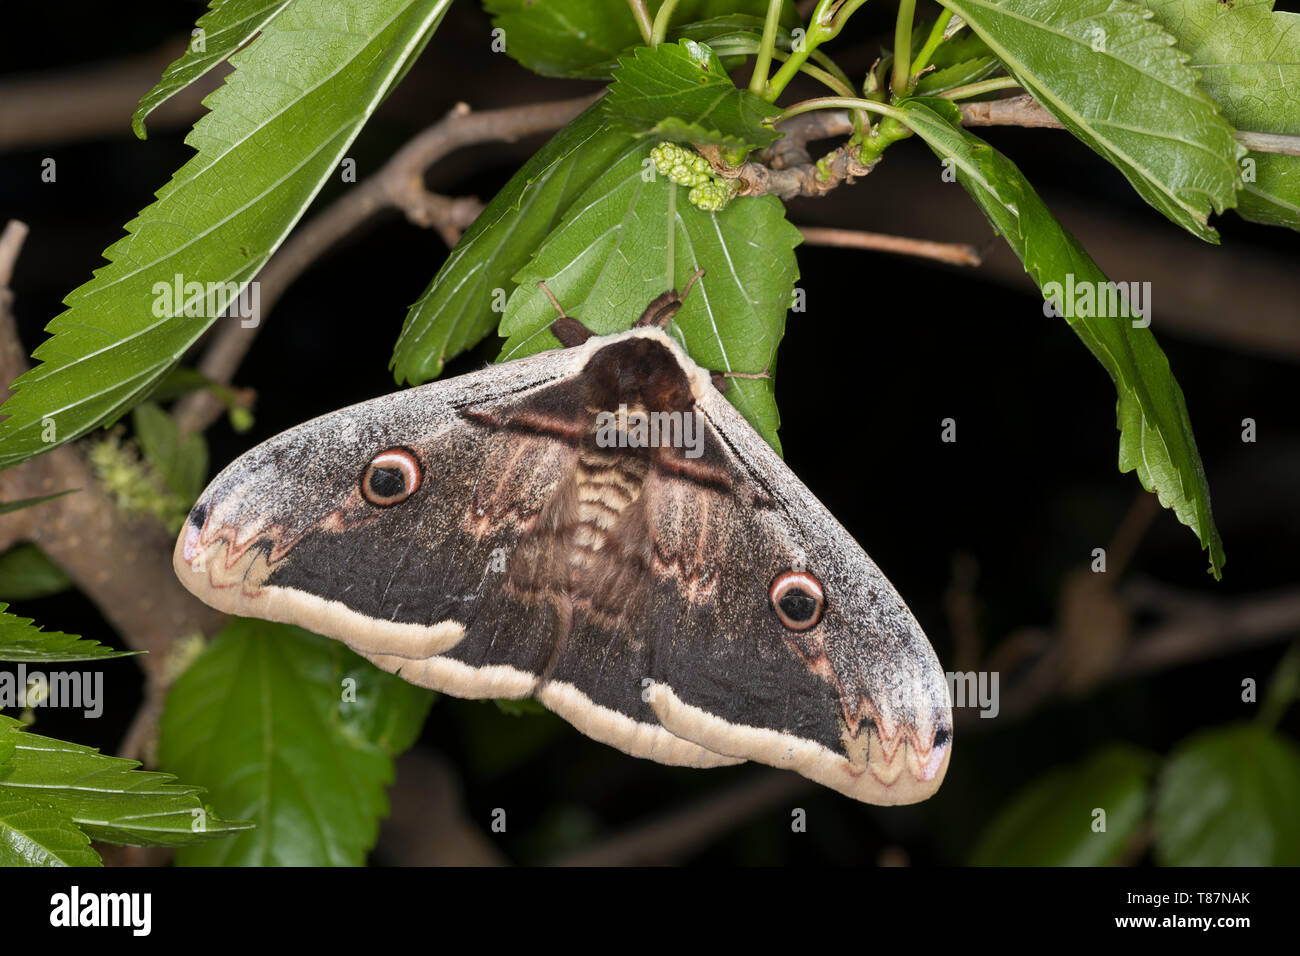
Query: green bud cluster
(714, 195)
(133, 484)
(685, 167)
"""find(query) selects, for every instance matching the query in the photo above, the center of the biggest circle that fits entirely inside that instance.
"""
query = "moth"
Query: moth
(523, 531)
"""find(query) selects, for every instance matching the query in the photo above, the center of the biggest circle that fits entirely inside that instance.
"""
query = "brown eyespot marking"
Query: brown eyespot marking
(391, 477)
(798, 599)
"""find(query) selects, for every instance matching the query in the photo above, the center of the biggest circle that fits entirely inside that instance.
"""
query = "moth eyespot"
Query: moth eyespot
(798, 599)
(391, 477)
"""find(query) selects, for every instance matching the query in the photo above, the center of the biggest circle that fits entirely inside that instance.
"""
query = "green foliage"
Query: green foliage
(1248, 59)
(26, 573)
(1054, 821)
(181, 461)
(1114, 79)
(679, 91)
(584, 38)
(629, 240)
(35, 835)
(1155, 430)
(182, 381)
(142, 475)
(227, 26)
(46, 783)
(963, 59)
(460, 307)
(1228, 797)
(681, 165)
(685, 167)
(294, 732)
(312, 77)
(1223, 797)
(23, 640)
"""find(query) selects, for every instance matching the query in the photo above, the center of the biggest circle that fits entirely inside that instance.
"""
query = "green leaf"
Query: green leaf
(958, 48)
(959, 74)
(1051, 822)
(1248, 58)
(277, 129)
(22, 640)
(959, 60)
(1228, 797)
(106, 797)
(182, 462)
(611, 257)
(735, 36)
(466, 298)
(266, 719)
(679, 91)
(583, 38)
(1113, 78)
(227, 26)
(383, 711)
(7, 507)
(34, 835)
(26, 573)
(1156, 437)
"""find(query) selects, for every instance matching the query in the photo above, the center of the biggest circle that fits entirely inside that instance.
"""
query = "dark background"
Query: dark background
(887, 348)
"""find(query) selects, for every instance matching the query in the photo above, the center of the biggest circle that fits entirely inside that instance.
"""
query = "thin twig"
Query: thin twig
(399, 184)
(1130, 532)
(90, 102)
(1269, 142)
(1198, 629)
(11, 244)
(642, 19)
(1009, 111)
(840, 165)
(1026, 111)
(953, 253)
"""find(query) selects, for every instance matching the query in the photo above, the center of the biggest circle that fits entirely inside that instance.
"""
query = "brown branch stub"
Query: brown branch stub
(11, 244)
(792, 148)
(1024, 110)
(1009, 111)
(1269, 142)
(805, 179)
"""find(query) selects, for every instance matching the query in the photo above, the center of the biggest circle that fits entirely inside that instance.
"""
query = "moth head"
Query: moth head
(638, 370)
